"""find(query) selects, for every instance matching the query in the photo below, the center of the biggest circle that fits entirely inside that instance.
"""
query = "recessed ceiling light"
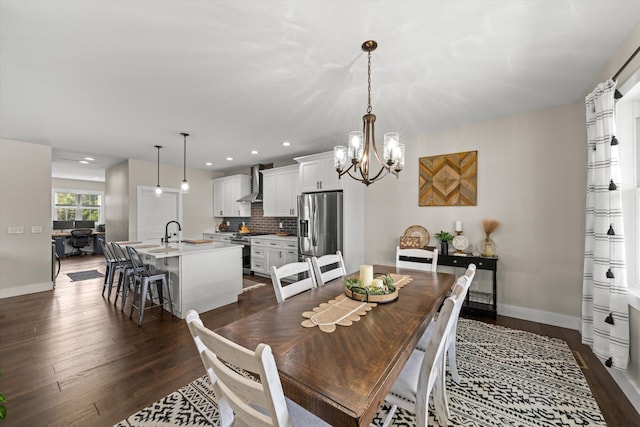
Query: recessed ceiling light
(84, 162)
(286, 143)
(209, 164)
(254, 151)
(91, 159)
(229, 158)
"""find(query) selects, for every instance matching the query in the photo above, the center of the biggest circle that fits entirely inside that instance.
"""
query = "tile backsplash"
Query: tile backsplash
(257, 223)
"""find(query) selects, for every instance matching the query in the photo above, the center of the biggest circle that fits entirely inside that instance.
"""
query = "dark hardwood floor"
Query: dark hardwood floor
(70, 358)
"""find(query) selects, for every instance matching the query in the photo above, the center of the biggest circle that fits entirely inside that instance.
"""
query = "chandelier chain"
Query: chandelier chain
(369, 87)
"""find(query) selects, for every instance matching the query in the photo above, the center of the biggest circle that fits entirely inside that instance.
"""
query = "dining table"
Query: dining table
(344, 376)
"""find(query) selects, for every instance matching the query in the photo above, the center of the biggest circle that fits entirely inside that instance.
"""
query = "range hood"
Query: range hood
(256, 186)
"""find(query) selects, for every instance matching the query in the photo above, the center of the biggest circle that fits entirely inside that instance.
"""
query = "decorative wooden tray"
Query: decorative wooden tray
(371, 298)
(418, 231)
(197, 241)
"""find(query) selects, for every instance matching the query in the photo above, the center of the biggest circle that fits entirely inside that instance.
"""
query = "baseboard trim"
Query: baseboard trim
(540, 316)
(25, 289)
(627, 385)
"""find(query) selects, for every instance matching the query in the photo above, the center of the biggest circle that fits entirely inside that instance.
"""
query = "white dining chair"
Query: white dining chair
(242, 400)
(428, 259)
(424, 371)
(293, 271)
(451, 339)
(336, 267)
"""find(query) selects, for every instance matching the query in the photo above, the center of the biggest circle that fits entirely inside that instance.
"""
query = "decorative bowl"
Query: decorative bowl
(386, 291)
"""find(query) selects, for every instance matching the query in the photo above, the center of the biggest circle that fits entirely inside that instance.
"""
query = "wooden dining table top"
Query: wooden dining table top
(345, 375)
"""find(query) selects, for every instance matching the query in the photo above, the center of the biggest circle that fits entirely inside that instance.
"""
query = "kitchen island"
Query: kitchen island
(202, 276)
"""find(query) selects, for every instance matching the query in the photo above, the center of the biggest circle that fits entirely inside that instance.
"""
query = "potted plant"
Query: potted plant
(444, 237)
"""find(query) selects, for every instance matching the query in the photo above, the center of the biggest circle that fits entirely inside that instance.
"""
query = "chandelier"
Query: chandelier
(362, 144)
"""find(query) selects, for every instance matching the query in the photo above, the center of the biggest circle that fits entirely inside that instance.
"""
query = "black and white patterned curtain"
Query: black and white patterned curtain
(605, 311)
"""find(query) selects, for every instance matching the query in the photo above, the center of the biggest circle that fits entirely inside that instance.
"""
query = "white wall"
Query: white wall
(25, 200)
(531, 173)
(116, 202)
(77, 184)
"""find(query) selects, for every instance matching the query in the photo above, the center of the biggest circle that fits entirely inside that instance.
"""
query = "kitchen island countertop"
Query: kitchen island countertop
(161, 250)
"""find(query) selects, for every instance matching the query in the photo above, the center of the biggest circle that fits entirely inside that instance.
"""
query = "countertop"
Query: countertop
(180, 249)
(261, 236)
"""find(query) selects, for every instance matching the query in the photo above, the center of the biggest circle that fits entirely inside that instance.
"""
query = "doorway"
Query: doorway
(155, 211)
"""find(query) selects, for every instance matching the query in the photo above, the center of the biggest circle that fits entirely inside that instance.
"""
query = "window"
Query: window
(77, 205)
(628, 130)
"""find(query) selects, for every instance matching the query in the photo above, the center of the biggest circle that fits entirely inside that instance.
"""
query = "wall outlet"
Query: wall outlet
(280, 225)
(16, 229)
(36, 229)
(243, 223)
(228, 223)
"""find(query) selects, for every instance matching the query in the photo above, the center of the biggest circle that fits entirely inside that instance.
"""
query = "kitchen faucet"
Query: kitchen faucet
(166, 230)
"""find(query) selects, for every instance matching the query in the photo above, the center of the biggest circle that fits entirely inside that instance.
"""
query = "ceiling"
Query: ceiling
(111, 79)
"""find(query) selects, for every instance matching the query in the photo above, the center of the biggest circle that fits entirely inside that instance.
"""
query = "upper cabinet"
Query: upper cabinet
(280, 191)
(226, 191)
(317, 173)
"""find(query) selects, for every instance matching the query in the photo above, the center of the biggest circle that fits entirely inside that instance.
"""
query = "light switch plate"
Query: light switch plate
(16, 229)
(36, 229)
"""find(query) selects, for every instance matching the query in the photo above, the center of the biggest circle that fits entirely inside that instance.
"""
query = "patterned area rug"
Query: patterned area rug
(84, 275)
(508, 378)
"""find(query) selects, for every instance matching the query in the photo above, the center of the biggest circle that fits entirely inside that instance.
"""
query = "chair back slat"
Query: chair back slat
(324, 275)
(290, 270)
(136, 261)
(428, 262)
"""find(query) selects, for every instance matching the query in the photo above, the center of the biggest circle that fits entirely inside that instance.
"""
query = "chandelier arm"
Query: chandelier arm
(373, 143)
(356, 178)
(345, 171)
(382, 169)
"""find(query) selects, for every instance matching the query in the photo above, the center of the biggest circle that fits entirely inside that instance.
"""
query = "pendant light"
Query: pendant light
(185, 183)
(362, 143)
(158, 188)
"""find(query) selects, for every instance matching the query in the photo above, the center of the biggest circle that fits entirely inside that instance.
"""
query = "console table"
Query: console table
(482, 263)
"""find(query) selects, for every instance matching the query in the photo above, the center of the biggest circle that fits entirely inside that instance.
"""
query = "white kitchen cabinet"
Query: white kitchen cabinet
(280, 191)
(218, 198)
(226, 192)
(259, 257)
(317, 173)
(268, 251)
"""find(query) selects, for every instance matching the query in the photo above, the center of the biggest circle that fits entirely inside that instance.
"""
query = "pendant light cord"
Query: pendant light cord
(158, 147)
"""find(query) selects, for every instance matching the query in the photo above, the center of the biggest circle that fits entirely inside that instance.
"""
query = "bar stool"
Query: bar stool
(125, 269)
(143, 275)
(111, 264)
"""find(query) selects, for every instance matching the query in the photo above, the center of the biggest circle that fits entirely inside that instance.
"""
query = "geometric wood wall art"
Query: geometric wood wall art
(449, 180)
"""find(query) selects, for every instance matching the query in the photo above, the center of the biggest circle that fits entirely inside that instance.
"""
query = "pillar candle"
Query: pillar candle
(366, 275)
(458, 225)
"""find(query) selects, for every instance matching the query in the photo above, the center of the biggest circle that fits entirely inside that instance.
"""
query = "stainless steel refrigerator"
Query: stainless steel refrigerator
(319, 223)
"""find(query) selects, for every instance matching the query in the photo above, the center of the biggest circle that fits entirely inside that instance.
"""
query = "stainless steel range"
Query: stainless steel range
(244, 239)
